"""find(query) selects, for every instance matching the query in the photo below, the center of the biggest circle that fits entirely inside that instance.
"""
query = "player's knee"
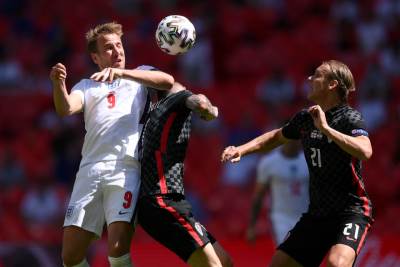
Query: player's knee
(117, 249)
(118, 246)
(75, 244)
(339, 260)
(119, 239)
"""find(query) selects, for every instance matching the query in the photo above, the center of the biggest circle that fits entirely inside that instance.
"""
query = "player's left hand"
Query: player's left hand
(107, 75)
(319, 118)
(232, 154)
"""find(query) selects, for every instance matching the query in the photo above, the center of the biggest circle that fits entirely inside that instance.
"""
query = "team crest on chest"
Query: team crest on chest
(316, 134)
(114, 84)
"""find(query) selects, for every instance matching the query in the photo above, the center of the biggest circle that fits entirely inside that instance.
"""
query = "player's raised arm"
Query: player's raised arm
(150, 78)
(357, 146)
(263, 143)
(65, 104)
(202, 106)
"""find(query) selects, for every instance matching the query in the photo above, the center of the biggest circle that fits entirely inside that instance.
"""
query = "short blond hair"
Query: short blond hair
(107, 28)
(341, 73)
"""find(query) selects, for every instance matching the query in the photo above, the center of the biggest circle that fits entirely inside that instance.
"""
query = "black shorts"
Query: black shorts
(169, 220)
(311, 238)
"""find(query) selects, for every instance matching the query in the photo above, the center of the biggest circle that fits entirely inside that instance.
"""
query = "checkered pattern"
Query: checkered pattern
(336, 185)
(174, 181)
(168, 117)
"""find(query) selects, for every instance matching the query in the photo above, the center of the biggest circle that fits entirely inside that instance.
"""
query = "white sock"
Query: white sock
(83, 263)
(123, 261)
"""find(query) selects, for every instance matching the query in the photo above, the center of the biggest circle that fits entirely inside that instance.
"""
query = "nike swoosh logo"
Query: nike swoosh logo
(123, 212)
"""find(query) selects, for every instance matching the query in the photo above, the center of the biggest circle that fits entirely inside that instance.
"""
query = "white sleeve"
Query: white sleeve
(79, 89)
(264, 169)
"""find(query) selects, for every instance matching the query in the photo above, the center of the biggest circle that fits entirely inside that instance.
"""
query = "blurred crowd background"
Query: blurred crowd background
(251, 58)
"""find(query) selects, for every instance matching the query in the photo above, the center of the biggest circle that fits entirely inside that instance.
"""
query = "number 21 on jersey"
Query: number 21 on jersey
(350, 231)
(316, 157)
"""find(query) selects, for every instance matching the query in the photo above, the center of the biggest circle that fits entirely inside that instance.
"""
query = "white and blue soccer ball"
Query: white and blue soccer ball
(175, 35)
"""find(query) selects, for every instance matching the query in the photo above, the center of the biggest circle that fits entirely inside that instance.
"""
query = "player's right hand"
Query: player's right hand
(107, 75)
(58, 73)
(232, 154)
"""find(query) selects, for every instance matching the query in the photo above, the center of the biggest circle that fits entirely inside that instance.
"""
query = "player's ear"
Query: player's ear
(333, 84)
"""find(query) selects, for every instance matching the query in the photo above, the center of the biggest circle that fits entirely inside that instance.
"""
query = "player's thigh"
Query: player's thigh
(75, 244)
(223, 256)
(307, 243)
(204, 257)
(282, 259)
(120, 193)
(341, 255)
(85, 207)
(350, 237)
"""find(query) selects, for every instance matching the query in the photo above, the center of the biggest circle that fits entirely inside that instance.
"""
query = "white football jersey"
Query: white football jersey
(288, 179)
(112, 113)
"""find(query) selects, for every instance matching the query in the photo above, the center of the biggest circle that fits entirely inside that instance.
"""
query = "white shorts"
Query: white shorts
(282, 224)
(104, 192)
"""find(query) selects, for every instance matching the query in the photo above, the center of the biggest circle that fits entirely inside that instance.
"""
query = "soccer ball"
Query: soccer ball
(175, 35)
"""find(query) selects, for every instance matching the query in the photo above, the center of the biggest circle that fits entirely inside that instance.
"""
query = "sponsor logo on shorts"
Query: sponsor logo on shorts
(122, 212)
(70, 211)
(199, 227)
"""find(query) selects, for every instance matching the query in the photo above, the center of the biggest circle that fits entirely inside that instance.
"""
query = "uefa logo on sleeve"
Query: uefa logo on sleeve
(198, 227)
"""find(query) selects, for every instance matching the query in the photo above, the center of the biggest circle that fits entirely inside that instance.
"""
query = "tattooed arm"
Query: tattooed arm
(202, 106)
